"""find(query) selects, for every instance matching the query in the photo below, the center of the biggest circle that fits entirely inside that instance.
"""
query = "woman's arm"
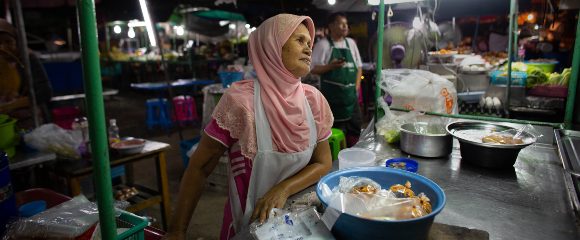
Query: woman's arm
(319, 165)
(202, 163)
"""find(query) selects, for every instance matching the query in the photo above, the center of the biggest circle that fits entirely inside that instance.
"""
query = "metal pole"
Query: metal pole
(573, 84)
(512, 34)
(379, 65)
(96, 114)
(23, 47)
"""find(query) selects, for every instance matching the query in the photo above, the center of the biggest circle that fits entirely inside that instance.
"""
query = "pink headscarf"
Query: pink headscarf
(282, 94)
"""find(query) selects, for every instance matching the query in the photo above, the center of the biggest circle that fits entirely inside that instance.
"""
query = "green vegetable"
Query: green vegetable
(565, 77)
(516, 67)
(392, 136)
(536, 77)
(554, 79)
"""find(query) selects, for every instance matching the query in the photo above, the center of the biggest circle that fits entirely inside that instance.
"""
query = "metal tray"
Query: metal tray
(457, 128)
(568, 146)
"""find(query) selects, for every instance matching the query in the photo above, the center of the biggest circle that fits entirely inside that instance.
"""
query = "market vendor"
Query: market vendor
(274, 128)
(337, 60)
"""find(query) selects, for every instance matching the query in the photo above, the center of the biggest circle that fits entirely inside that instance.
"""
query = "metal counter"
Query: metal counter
(528, 201)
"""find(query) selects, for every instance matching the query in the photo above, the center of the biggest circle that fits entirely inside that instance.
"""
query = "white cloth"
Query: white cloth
(322, 51)
(270, 167)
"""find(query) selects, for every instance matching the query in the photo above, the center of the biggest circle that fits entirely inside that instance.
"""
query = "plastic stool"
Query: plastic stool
(337, 142)
(185, 110)
(157, 113)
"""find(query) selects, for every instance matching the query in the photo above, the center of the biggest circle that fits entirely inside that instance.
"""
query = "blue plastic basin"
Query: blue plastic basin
(352, 227)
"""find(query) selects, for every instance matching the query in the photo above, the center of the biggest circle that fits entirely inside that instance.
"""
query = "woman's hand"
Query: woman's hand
(275, 198)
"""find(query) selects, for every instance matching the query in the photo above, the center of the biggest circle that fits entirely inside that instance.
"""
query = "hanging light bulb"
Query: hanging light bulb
(179, 30)
(117, 29)
(530, 17)
(331, 2)
(416, 23)
(247, 26)
(536, 27)
(131, 33)
(374, 2)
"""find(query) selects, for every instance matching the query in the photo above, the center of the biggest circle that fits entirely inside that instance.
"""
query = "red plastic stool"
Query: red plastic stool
(185, 110)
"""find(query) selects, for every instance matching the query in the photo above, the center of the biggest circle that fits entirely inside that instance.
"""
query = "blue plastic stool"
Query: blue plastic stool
(158, 113)
(337, 142)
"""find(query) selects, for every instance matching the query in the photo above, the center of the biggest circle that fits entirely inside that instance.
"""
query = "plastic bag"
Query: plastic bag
(383, 204)
(67, 220)
(52, 138)
(419, 90)
(304, 224)
(525, 134)
(357, 185)
(388, 125)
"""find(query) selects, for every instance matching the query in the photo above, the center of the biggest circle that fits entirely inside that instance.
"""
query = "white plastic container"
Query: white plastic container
(356, 157)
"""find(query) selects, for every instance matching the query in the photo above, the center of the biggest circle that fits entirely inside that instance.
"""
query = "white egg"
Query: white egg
(496, 103)
(488, 102)
(482, 102)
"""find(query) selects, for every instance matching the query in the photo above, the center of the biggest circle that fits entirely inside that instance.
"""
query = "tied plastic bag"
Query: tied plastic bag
(67, 220)
(304, 224)
(419, 90)
(389, 125)
(52, 138)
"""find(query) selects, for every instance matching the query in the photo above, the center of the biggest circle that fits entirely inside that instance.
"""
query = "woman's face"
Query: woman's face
(296, 52)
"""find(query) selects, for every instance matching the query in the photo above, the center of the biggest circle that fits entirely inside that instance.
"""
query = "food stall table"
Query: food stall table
(528, 201)
(74, 171)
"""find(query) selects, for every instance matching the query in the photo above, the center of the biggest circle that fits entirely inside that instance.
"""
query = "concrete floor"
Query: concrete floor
(129, 109)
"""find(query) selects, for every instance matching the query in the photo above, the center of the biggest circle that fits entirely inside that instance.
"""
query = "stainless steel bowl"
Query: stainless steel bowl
(488, 155)
(424, 140)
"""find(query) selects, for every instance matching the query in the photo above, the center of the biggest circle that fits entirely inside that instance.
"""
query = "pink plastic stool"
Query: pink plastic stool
(185, 110)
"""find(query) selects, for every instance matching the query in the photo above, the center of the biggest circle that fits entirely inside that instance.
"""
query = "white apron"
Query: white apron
(268, 167)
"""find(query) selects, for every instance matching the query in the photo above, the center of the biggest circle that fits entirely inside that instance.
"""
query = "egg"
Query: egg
(482, 102)
(496, 103)
(488, 102)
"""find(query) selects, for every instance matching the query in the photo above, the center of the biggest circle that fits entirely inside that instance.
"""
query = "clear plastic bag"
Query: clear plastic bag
(52, 138)
(304, 224)
(67, 220)
(525, 134)
(384, 204)
(389, 125)
(357, 185)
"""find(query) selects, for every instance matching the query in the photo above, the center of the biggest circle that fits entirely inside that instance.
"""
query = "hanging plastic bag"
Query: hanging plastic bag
(419, 90)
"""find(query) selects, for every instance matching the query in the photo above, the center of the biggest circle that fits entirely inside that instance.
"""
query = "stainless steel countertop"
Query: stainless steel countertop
(528, 201)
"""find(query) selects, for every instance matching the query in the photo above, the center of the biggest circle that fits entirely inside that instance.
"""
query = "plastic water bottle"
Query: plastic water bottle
(113, 132)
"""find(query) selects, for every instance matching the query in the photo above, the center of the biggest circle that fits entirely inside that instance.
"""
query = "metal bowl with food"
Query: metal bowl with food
(129, 146)
(479, 146)
(425, 140)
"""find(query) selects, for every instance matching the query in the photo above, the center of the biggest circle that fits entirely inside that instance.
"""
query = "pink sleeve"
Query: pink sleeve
(219, 134)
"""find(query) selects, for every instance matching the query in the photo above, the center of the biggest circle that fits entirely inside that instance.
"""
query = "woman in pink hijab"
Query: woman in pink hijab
(274, 129)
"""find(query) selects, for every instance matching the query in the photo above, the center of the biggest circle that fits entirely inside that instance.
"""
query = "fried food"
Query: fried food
(501, 139)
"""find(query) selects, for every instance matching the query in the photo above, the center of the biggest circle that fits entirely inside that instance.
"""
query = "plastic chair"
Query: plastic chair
(337, 142)
(185, 110)
(157, 113)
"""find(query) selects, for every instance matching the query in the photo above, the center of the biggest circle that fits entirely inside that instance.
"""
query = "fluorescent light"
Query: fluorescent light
(247, 26)
(131, 33)
(232, 26)
(331, 2)
(148, 23)
(117, 29)
(136, 23)
(536, 27)
(377, 2)
(223, 23)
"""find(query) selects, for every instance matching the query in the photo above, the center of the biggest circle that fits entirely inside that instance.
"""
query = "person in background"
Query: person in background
(337, 60)
(274, 128)
(12, 82)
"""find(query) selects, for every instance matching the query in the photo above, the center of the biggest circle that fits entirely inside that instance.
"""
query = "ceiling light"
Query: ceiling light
(117, 29)
(131, 33)
(179, 30)
(331, 2)
(223, 23)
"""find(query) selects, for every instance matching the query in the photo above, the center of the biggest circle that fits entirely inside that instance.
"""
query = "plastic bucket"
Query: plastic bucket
(228, 78)
(352, 227)
(8, 137)
(355, 157)
(65, 116)
(547, 67)
(7, 201)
